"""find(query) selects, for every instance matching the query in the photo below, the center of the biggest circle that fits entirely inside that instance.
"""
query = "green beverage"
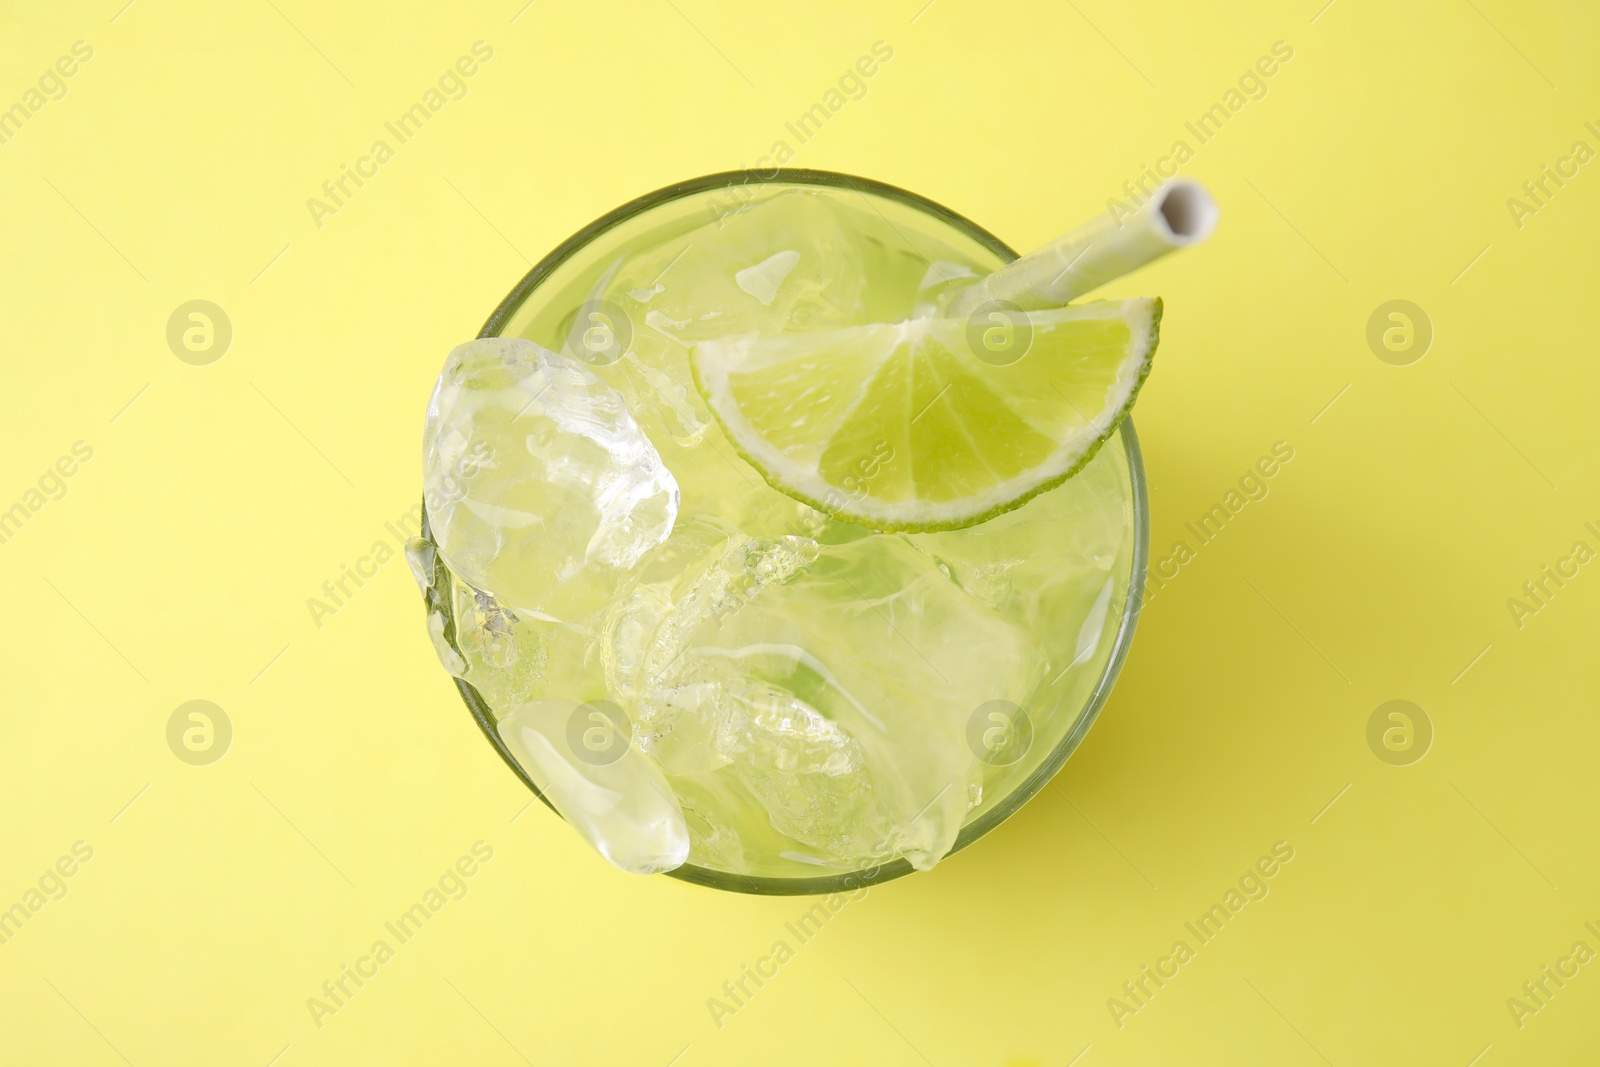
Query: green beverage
(768, 548)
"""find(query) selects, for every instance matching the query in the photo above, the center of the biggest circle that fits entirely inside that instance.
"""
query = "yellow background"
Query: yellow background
(179, 562)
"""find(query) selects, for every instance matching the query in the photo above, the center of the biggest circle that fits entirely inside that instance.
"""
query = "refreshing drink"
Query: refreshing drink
(735, 554)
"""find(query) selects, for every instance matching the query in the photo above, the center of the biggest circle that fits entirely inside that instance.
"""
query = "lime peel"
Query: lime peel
(904, 427)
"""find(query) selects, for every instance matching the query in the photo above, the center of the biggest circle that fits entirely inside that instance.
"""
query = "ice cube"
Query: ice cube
(541, 488)
(423, 559)
(807, 772)
(762, 279)
(791, 262)
(1050, 564)
(627, 650)
(619, 802)
(505, 655)
(834, 682)
(706, 570)
(715, 837)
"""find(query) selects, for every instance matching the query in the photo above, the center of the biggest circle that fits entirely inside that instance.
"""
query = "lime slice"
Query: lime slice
(931, 424)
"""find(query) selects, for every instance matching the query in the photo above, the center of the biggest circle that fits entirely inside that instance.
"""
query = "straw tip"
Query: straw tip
(1185, 211)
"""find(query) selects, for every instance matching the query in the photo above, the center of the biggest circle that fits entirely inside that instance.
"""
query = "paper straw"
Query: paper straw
(1181, 213)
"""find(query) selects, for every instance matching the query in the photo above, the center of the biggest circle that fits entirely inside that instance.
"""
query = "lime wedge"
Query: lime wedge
(931, 424)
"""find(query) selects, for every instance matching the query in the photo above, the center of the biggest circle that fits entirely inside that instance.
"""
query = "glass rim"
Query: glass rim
(848, 881)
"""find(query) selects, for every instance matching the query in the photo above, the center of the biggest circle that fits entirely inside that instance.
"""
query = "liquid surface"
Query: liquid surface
(694, 666)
